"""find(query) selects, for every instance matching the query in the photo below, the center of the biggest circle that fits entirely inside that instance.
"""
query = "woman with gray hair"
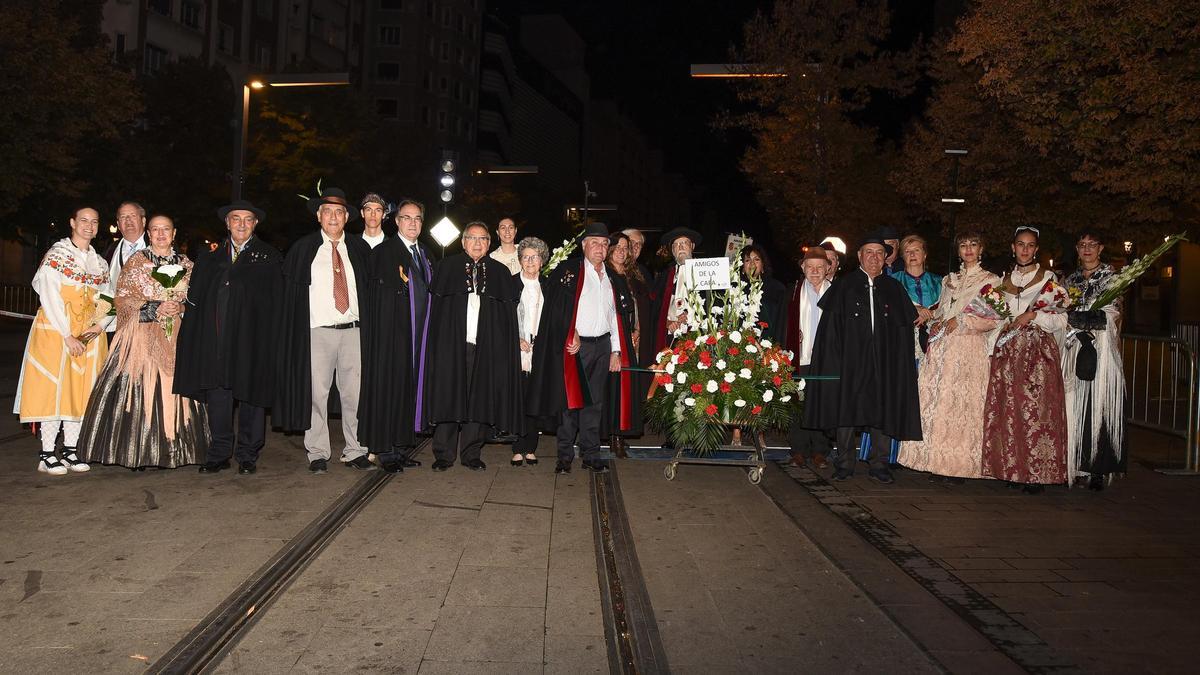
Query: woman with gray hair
(532, 254)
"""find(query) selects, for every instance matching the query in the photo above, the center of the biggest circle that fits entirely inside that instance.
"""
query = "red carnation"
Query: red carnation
(762, 324)
(711, 340)
(725, 387)
(706, 357)
(663, 379)
(690, 344)
(734, 351)
(777, 380)
(756, 409)
(710, 410)
(748, 362)
(683, 358)
(750, 339)
(696, 388)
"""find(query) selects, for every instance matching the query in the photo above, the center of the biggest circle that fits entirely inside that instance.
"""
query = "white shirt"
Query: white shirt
(374, 241)
(510, 260)
(809, 319)
(472, 315)
(597, 311)
(678, 296)
(529, 316)
(321, 310)
(124, 250)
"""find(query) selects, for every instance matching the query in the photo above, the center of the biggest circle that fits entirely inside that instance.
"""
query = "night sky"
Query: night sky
(638, 55)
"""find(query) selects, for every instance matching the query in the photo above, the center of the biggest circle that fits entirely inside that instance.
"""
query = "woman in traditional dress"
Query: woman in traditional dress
(953, 378)
(67, 344)
(532, 253)
(133, 418)
(924, 287)
(1024, 424)
(1093, 373)
(620, 262)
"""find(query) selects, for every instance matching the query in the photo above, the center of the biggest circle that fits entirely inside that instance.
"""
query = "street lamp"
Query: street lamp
(507, 170)
(257, 82)
(727, 70)
(954, 201)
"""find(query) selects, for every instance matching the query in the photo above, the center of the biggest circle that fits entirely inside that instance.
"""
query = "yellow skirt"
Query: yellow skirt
(55, 385)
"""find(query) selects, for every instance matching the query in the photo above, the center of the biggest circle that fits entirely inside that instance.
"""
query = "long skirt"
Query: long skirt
(953, 384)
(54, 385)
(1025, 417)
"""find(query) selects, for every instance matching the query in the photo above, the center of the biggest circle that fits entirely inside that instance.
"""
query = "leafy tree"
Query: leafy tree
(820, 168)
(61, 94)
(1112, 86)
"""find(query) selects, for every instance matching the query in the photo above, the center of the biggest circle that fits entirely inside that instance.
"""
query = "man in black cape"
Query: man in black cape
(396, 327)
(320, 341)
(226, 350)
(865, 337)
(582, 338)
(680, 244)
(474, 384)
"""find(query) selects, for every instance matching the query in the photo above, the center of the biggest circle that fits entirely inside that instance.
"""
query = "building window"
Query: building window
(190, 13)
(445, 51)
(446, 17)
(461, 21)
(387, 107)
(387, 71)
(262, 54)
(425, 115)
(458, 125)
(161, 6)
(225, 38)
(265, 9)
(443, 85)
(119, 44)
(390, 35)
(470, 64)
(156, 58)
(458, 55)
(396, 5)
(432, 46)
(316, 25)
(441, 120)
(428, 81)
(429, 10)
(458, 91)
(470, 129)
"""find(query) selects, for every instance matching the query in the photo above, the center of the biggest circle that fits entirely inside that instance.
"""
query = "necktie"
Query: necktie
(419, 263)
(234, 251)
(341, 292)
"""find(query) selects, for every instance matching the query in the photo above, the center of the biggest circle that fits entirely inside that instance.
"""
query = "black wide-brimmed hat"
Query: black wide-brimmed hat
(594, 230)
(241, 205)
(671, 235)
(877, 237)
(333, 196)
(888, 232)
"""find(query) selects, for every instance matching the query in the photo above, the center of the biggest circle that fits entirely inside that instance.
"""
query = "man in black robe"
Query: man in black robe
(321, 339)
(396, 327)
(473, 388)
(226, 350)
(582, 338)
(680, 244)
(865, 337)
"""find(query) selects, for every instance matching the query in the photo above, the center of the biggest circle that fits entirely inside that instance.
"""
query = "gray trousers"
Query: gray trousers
(336, 353)
(583, 425)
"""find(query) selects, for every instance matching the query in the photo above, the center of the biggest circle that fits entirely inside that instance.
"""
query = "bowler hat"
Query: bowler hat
(595, 230)
(888, 232)
(332, 196)
(241, 205)
(671, 235)
(877, 238)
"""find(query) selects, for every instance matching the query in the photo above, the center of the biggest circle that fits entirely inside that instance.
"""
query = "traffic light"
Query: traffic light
(446, 177)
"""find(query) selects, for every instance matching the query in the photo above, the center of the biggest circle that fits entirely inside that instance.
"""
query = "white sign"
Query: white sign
(706, 274)
(734, 242)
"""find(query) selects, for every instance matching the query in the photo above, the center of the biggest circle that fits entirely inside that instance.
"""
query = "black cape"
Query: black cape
(387, 410)
(655, 326)
(493, 394)
(773, 309)
(293, 395)
(547, 394)
(229, 339)
(878, 372)
(628, 308)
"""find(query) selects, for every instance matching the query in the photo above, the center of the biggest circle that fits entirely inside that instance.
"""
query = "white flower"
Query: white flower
(785, 398)
(669, 387)
(774, 366)
(170, 270)
(730, 377)
(671, 367)
(735, 337)
(689, 401)
(711, 386)
(751, 348)
(700, 366)
(681, 378)
(745, 373)
(718, 310)
(802, 384)
(768, 395)
(740, 403)
(766, 344)
(720, 364)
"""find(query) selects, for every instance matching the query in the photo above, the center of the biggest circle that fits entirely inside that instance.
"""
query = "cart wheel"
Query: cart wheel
(755, 475)
(669, 472)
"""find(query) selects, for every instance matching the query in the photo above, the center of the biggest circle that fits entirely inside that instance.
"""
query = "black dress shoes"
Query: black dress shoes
(361, 463)
(409, 462)
(517, 462)
(595, 466)
(475, 465)
(531, 460)
(392, 466)
(318, 466)
(562, 467)
(619, 447)
(214, 467)
(441, 465)
(842, 474)
(247, 468)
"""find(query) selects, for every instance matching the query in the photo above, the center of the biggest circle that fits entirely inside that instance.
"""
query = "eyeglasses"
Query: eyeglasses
(531, 258)
(1088, 245)
(410, 219)
(477, 238)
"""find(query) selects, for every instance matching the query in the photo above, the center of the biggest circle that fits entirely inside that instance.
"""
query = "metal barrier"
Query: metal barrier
(18, 301)
(1161, 380)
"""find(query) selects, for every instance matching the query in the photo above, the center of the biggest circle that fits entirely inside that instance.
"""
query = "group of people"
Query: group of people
(1030, 393)
(486, 345)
